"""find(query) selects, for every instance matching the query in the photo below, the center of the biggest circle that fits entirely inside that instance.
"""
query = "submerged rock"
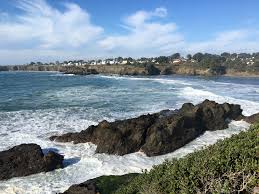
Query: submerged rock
(158, 133)
(26, 159)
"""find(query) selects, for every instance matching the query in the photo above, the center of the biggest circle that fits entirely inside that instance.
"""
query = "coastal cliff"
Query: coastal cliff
(140, 69)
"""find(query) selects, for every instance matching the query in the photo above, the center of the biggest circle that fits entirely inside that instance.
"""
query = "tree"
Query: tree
(162, 59)
(234, 55)
(189, 56)
(176, 56)
(130, 59)
(120, 59)
(198, 57)
(256, 55)
(244, 55)
(225, 54)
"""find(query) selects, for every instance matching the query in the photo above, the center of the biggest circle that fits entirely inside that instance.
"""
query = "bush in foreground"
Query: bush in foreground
(229, 166)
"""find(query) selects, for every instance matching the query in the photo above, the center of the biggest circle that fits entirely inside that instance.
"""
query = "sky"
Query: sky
(57, 30)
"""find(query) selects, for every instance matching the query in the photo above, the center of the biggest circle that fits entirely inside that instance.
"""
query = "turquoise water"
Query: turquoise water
(36, 105)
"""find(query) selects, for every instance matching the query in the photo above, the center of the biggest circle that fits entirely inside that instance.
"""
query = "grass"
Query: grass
(229, 166)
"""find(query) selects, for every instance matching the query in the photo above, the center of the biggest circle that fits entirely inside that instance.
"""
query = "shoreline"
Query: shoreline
(230, 75)
(138, 70)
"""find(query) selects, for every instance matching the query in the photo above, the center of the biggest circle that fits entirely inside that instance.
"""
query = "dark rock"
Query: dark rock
(79, 70)
(158, 133)
(253, 118)
(152, 70)
(101, 185)
(88, 187)
(26, 159)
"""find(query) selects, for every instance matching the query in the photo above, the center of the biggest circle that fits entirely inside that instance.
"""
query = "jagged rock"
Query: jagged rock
(26, 159)
(158, 133)
(252, 119)
(88, 187)
(152, 70)
(101, 185)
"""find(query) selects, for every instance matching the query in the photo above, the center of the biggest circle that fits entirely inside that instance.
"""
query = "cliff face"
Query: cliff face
(140, 69)
(32, 68)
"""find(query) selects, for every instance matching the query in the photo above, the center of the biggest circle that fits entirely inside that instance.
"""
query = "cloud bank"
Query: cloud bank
(43, 32)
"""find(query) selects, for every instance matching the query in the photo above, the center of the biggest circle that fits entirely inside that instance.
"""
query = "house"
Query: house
(250, 62)
(124, 62)
(177, 61)
(112, 62)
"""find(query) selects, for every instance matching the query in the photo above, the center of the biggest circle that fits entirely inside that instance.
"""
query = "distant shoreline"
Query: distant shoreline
(133, 70)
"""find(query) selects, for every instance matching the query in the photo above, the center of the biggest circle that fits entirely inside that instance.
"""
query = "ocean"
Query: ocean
(37, 105)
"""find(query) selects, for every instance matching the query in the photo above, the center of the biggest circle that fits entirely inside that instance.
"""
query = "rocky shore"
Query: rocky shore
(138, 70)
(154, 134)
(225, 159)
(27, 159)
(151, 69)
(159, 133)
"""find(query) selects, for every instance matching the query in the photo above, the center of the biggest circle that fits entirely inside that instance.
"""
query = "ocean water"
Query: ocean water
(37, 105)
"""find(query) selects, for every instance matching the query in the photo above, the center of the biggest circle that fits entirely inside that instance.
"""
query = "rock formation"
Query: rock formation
(26, 159)
(101, 185)
(158, 133)
(253, 118)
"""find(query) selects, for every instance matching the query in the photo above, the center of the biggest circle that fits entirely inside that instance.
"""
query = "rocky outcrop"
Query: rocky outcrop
(26, 159)
(252, 119)
(101, 185)
(79, 70)
(150, 69)
(159, 133)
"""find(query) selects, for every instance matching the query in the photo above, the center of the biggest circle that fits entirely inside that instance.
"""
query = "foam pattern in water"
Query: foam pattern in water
(35, 106)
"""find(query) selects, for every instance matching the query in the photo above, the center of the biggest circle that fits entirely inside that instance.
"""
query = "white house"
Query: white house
(112, 62)
(177, 61)
(124, 62)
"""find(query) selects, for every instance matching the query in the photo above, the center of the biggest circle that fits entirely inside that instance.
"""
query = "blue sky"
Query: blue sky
(50, 30)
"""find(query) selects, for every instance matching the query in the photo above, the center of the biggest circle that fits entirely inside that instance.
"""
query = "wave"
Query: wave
(61, 74)
(91, 105)
(92, 165)
(197, 95)
(160, 80)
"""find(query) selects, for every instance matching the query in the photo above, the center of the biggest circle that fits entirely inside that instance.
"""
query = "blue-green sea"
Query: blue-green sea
(36, 105)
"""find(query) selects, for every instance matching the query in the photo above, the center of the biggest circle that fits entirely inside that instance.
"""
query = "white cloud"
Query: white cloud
(145, 36)
(42, 32)
(49, 27)
(240, 40)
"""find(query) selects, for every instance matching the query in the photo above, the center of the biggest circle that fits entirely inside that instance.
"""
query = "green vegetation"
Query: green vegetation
(229, 166)
(109, 184)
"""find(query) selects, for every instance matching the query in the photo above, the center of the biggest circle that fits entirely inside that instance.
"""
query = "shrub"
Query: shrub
(229, 166)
